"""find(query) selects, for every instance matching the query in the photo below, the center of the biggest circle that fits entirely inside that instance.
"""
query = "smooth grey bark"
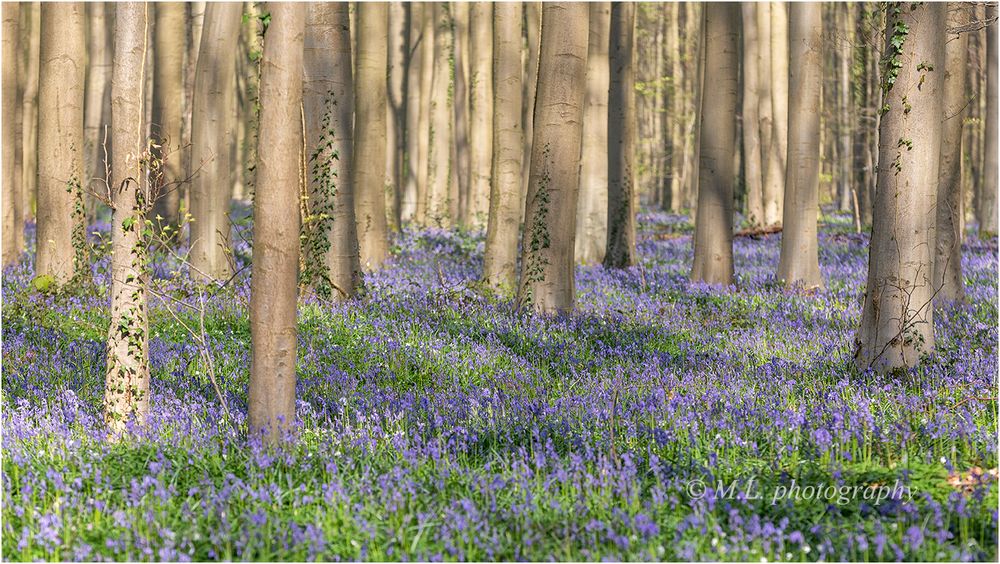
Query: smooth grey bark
(799, 262)
(97, 106)
(500, 259)
(273, 283)
(592, 216)
(60, 140)
(168, 98)
(753, 173)
(459, 199)
(480, 111)
(439, 163)
(897, 322)
(987, 209)
(369, 133)
(532, 31)
(29, 110)
(414, 104)
(948, 283)
(774, 174)
(213, 169)
(126, 390)
(13, 227)
(328, 108)
(621, 117)
(713, 239)
(397, 108)
(547, 266)
(427, 46)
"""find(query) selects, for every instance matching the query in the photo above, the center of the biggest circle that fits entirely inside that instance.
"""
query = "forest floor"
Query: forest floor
(663, 420)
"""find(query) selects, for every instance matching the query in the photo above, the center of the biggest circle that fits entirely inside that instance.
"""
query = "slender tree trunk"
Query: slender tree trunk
(547, 271)
(765, 108)
(399, 44)
(271, 402)
(987, 209)
(948, 283)
(13, 229)
(97, 106)
(460, 106)
(622, 198)
(29, 112)
(427, 60)
(333, 266)
(532, 30)
(754, 177)
(845, 121)
(61, 215)
(678, 96)
(213, 128)
(592, 216)
(168, 96)
(369, 137)
(196, 17)
(897, 322)
(695, 37)
(439, 178)
(126, 391)
(481, 111)
(713, 240)
(799, 263)
(500, 260)
(414, 103)
(774, 177)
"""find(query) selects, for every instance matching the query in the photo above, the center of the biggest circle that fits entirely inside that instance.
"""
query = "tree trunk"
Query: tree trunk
(399, 45)
(897, 322)
(13, 228)
(414, 105)
(987, 209)
(532, 31)
(845, 121)
(427, 60)
(460, 105)
(29, 113)
(678, 98)
(481, 111)
(369, 133)
(713, 240)
(439, 178)
(60, 142)
(195, 19)
(547, 272)
(126, 391)
(774, 176)
(695, 37)
(765, 108)
(799, 262)
(592, 216)
(948, 283)
(500, 260)
(333, 266)
(97, 106)
(168, 96)
(753, 175)
(213, 127)
(622, 199)
(271, 402)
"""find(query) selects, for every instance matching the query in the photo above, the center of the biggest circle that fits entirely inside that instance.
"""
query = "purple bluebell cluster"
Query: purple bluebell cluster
(436, 423)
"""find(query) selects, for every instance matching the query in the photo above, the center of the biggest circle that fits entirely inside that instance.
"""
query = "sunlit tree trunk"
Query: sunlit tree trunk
(897, 322)
(532, 31)
(168, 97)
(948, 281)
(13, 228)
(29, 110)
(195, 18)
(500, 260)
(846, 113)
(774, 175)
(97, 106)
(369, 133)
(713, 240)
(212, 166)
(126, 391)
(987, 209)
(273, 285)
(677, 117)
(333, 266)
(547, 271)
(765, 108)
(397, 108)
(460, 106)
(60, 141)
(439, 178)
(592, 216)
(414, 63)
(799, 262)
(695, 37)
(753, 175)
(480, 111)
(622, 198)
(427, 47)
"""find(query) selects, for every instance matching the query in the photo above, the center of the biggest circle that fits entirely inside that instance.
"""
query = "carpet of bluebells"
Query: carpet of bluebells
(437, 423)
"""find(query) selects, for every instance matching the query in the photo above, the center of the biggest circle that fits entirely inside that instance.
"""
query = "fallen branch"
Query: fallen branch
(758, 231)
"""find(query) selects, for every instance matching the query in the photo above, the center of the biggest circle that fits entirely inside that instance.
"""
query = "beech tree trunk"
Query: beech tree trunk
(333, 266)
(60, 213)
(897, 322)
(753, 175)
(774, 175)
(213, 128)
(799, 263)
(13, 227)
(547, 271)
(30, 123)
(592, 213)
(399, 44)
(987, 209)
(460, 106)
(622, 198)
(369, 133)
(532, 30)
(948, 283)
(97, 106)
(427, 46)
(168, 99)
(126, 391)
(439, 177)
(765, 108)
(713, 239)
(480, 111)
(414, 64)
(500, 259)
(273, 296)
